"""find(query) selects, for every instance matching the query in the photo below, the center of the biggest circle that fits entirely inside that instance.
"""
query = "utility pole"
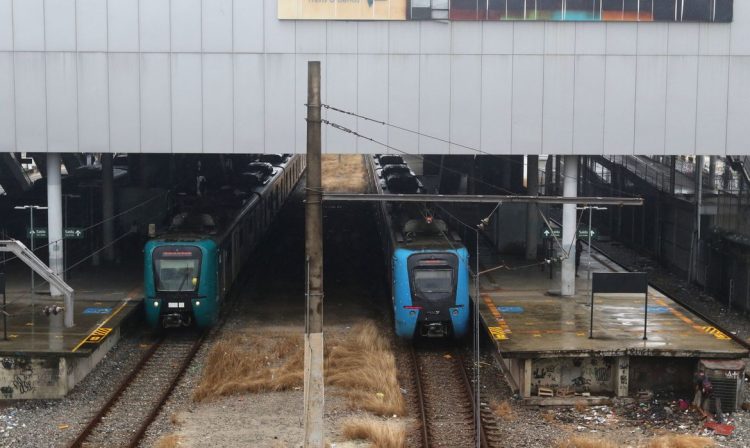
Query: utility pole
(314, 386)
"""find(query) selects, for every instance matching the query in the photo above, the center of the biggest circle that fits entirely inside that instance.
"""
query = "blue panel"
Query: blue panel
(510, 309)
(97, 310)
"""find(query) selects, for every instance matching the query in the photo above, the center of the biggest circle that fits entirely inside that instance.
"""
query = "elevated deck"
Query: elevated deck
(43, 359)
(544, 338)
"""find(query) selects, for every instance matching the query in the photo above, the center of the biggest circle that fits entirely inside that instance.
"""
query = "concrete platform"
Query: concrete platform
(544, 338)
(42, 359)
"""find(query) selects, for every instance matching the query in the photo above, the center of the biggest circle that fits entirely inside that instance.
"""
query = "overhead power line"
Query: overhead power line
(440, 139)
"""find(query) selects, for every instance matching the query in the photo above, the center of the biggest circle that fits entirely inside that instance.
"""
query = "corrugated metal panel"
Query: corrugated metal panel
(444, 79)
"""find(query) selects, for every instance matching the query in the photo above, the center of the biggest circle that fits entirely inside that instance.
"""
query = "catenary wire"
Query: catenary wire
(440, 139)
(166, 192)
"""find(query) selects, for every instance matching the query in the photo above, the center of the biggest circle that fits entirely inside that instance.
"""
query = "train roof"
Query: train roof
(212, 214)
(409, 226)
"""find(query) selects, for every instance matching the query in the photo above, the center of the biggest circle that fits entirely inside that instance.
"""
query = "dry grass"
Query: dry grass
(505, 411)
(585, 442)
(382, 434)
(363, 364)
(680, 441)
(549, 416)
(251, 363)
(344, 173)
(169, 441)
(176, 419)
(580, 406)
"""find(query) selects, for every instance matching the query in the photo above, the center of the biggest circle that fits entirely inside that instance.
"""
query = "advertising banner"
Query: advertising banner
(495, 10)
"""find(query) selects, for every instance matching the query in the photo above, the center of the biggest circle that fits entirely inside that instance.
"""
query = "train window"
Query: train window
(433, 280)
(177, 268)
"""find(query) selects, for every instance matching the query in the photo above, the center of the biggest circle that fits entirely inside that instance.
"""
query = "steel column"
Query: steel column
(570, 189)
(54, 218)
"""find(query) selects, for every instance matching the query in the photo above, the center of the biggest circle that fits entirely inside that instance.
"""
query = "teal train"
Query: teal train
(190, 269)
(426, 263)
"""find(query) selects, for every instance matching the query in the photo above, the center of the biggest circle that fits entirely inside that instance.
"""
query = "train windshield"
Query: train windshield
(433, 280)
(177, 268)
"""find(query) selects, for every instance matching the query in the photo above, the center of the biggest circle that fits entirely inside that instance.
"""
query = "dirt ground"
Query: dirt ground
(344, 173)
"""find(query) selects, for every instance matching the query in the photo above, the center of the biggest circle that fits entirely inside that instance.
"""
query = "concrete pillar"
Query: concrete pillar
(698, 177)
(108, 207)
(532, 221)
(712, 172)
(54, 217)
(623, 376)
(672, 173)
(570, 190)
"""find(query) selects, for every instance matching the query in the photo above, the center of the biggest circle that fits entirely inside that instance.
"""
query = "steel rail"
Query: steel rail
(420, 398)
(135, 439)
(470, 392)
(94, 422)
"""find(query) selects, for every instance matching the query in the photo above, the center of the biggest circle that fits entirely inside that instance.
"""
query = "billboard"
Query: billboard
(495, 10)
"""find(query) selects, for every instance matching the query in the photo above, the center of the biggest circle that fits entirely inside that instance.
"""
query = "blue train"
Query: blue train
(427, 264)
(190, 269)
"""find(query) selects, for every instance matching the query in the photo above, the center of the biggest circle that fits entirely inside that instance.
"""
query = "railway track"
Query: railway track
(125, 417)
(446, 402)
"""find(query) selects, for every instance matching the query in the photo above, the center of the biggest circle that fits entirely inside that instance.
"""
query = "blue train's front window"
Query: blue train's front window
(433, 280)
(177, 269)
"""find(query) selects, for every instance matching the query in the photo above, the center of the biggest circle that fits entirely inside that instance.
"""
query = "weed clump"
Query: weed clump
(680, 441)
(382, 434)
(169, 441)
(585, 442)
(363, 364)
(251, 363)
(504, 410)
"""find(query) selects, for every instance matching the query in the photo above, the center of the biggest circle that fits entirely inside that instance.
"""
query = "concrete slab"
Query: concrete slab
(544, 338)
(43, 359)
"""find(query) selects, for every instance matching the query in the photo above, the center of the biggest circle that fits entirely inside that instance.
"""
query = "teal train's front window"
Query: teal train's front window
(177, 269)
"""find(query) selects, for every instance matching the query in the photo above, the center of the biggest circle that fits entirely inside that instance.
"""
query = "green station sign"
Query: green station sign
(72, 233)
(582, 233)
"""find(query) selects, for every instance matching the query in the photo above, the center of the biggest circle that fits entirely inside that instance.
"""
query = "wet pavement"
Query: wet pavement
(525, 318)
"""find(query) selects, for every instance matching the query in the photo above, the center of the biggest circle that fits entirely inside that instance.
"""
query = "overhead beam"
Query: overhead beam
(480, 199)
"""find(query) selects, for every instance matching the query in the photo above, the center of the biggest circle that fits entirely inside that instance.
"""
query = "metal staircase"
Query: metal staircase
(32, 261)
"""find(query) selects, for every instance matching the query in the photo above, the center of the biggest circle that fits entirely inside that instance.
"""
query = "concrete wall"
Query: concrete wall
(227, 76)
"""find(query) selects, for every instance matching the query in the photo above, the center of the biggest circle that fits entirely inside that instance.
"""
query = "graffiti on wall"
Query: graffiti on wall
(596, 375)
(17, 375)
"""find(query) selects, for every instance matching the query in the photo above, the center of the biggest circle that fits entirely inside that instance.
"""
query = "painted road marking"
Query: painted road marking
(98, 335)
(502, 330)
(97, 310)
(119, 308)
(703, 329)
(510, 309)
(715, 332)
(497, 333)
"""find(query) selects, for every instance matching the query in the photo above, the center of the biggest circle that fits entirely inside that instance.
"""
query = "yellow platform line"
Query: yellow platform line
(119, 308)
(502, 331)
(701, 329)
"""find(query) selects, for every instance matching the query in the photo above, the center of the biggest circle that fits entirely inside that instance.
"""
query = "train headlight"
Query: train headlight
(197, 303)
(156, 303)
(455, 312)
(412, 313)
